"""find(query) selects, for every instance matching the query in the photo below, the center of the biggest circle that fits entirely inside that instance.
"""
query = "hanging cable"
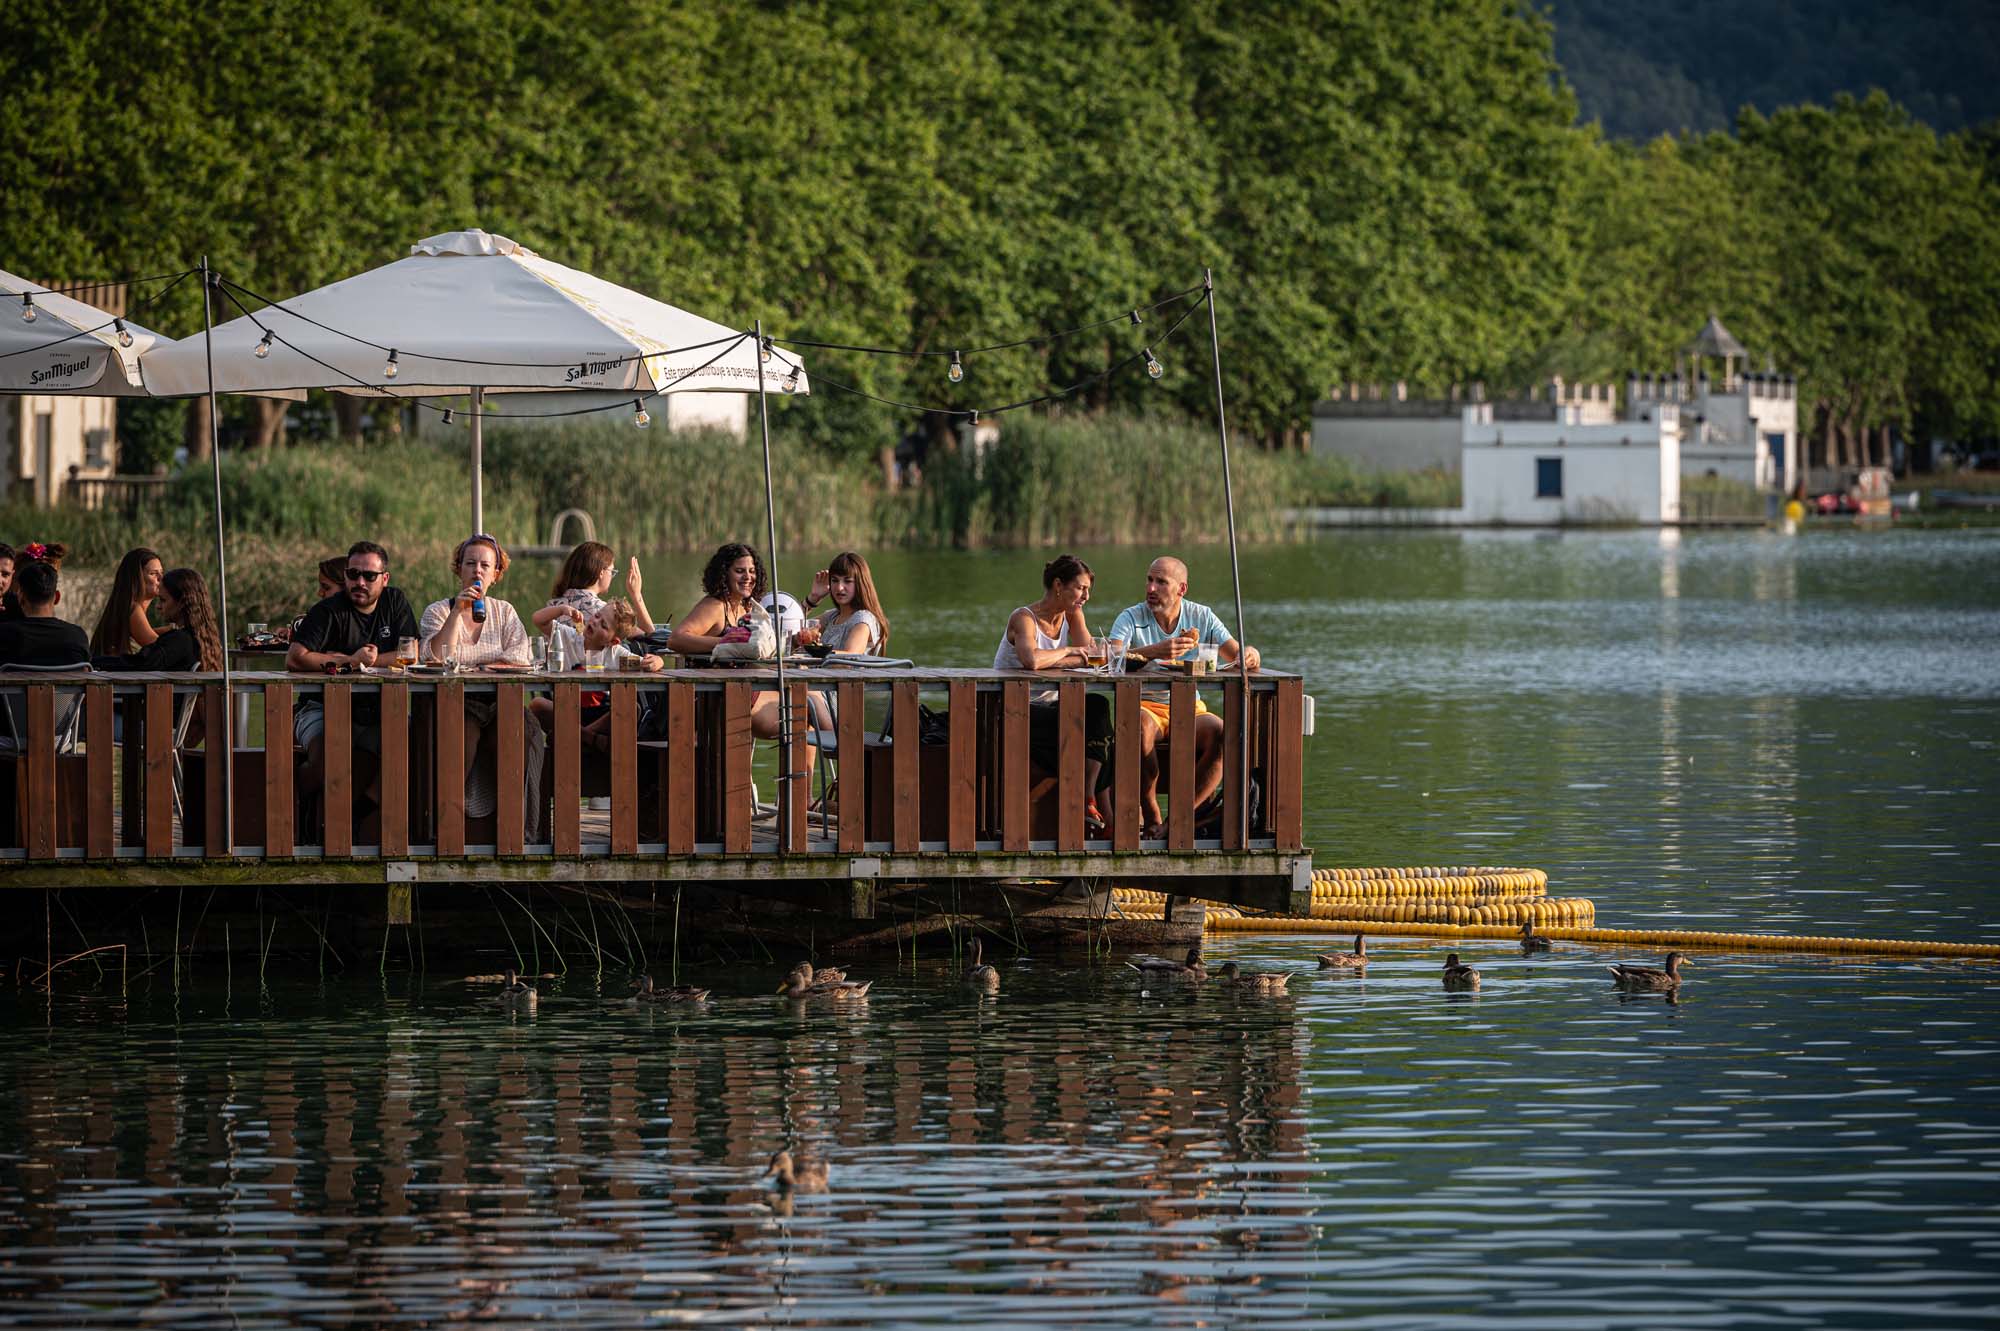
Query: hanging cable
(270, 304)
(417, 400)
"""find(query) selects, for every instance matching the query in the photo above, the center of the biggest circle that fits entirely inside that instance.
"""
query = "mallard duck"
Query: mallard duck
(1458, 975)
(979, 974)
(801, 1175)
(1647, 977)
(1257, 982)
(673, 993)
(796, 988)
(820, 977)
(1532, 941)
(516, 992)
(1355, 960)
(1159, 968)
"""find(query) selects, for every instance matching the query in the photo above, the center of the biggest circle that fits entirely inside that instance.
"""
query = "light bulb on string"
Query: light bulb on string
(1136, 320)
(974, 422)
(792, 380)
(449, 419)
(389, 367)
(640, 416)
(1153, 367)
(263, 351)
(27, 307)
(764, 350)
(957, 370)
(124, 334)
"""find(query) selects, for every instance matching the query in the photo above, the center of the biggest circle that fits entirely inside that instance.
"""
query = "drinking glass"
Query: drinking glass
(1114, 657)
(538, 653)
(1204, 656)
(406, 653)
(259, 630)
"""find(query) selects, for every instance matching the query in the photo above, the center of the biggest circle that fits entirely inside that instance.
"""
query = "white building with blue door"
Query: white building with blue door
(1570, 470)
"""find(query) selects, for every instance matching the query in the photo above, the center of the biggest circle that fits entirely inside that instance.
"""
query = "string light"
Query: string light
(792, 380)
(764, 349)
(263, 351)
(975, 420)
(957, 370)
(389, 367)
(27, 307)
(1136, 320)
(640, 416)
(124, 334)
(449, 418)
(1153, 367)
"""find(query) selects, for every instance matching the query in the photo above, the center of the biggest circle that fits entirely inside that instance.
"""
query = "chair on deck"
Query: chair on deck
(70, 772)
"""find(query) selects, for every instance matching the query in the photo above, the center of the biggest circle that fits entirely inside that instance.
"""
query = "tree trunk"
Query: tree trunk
(198, 436)
(347, 413)
(269, 429)
(886, 455)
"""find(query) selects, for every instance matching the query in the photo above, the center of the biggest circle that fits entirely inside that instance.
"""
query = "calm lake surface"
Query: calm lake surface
(1731, 731)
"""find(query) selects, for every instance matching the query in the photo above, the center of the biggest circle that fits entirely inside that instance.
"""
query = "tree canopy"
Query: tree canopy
(1383, 190)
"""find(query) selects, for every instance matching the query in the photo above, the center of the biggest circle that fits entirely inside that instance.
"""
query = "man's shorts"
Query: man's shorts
(309, 723)
(1160, 713)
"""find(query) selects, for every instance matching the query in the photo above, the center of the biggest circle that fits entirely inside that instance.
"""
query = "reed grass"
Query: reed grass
(1047, 481)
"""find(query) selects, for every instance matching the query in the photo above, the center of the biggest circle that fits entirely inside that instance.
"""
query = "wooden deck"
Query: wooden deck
(692, 797)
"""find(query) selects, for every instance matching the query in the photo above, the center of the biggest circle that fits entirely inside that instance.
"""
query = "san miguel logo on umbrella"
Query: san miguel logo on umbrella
(73, 371)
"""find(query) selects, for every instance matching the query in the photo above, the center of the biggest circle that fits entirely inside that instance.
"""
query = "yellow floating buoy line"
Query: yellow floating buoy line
(1483, 902)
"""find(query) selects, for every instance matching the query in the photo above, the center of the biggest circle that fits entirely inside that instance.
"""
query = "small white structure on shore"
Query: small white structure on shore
(1569, 470)
(1743, 427)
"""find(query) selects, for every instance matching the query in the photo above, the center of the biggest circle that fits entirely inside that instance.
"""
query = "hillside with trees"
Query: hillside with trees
(1643, 71)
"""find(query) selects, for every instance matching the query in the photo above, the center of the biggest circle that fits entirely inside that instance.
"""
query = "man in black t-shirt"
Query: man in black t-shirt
(38, 638)
(354, 628)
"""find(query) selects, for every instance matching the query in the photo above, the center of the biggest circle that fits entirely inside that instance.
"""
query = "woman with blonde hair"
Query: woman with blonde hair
(478, 630)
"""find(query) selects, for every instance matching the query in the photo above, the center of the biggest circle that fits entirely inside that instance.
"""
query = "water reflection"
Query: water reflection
(1792, 1134)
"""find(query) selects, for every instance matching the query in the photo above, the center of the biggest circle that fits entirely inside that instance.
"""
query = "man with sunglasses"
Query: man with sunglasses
(353, 628)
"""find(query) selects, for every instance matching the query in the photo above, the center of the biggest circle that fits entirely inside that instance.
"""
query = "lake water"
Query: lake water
(1731, 731)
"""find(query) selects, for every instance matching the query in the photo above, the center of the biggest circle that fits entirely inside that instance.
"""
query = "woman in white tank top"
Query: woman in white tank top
(1047, 635)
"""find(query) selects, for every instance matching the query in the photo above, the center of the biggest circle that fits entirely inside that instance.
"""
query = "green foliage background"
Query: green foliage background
(1385, 190)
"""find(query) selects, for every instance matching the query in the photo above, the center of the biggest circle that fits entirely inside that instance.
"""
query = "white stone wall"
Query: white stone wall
(1623, 472)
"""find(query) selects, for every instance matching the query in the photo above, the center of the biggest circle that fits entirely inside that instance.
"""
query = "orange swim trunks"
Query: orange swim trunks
(1159, 711)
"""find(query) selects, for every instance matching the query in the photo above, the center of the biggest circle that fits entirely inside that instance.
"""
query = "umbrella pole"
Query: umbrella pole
(1235, 573)
(478, 459)
(227, 756)
(777, 607)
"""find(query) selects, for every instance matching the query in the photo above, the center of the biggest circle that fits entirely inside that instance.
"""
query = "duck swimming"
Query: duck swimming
(1648, 977)
(1257, 982)
(1355, 960)
(801, 1175)
(979, 974)
(796, 988)
(1158, 968)
(516, 992)
(821, 977)
(672, 993)
(1458, 975)
(1532, 941)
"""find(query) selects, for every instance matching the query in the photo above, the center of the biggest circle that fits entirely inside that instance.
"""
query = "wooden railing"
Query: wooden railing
(107, 768)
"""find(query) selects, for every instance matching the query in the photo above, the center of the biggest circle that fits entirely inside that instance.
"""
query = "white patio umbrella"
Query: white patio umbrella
(69, 347)
(469, 313)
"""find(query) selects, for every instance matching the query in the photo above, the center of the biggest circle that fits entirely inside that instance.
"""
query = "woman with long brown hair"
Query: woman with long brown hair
(855, 626)
(190, 641)
(579, 590)
(124, 626)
